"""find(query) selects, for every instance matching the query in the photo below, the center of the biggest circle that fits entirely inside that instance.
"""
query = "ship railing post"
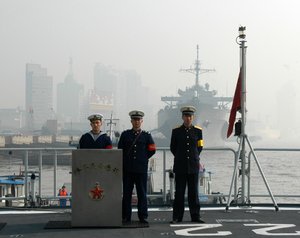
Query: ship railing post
(249, 177)
(236, 161)
(54, 173)
(25, 176)
(164, 177)
(32, 190)
(234, 178)
(40, 172)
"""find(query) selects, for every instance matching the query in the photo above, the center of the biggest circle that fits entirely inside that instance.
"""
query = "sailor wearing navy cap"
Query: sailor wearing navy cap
(186, 146)
(188, 110)
(95, 139)
(138, 146)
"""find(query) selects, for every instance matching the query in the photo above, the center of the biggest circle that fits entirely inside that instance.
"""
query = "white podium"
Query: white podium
(96, 188)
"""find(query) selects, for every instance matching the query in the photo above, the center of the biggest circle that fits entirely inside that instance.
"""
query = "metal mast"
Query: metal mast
(197, 70)
(111, 122)
(241, 153)
(197, 67)
(243, 47)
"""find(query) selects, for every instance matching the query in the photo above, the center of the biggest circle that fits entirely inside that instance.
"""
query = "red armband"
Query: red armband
(151, 147)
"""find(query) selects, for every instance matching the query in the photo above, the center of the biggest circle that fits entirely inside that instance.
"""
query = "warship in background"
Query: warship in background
(211, 115)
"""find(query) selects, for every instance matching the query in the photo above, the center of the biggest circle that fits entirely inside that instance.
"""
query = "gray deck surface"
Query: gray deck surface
(237, 222)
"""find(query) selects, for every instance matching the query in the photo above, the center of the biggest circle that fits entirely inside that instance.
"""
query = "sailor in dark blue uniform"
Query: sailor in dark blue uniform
(186, 145)
(138, 146)
(95, 139)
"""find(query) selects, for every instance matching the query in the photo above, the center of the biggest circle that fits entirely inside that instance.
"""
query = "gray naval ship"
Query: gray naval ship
(211, 112)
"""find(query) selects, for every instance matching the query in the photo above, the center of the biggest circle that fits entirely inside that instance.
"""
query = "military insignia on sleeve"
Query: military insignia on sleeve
(96, 193)
(151, 147)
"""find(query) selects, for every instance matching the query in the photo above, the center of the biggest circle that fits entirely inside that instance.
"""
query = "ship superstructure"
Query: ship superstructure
(211, 110)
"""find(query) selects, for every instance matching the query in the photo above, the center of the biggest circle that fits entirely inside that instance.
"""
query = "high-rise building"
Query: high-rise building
(101, 99)
(105, 79)
(39, 96)
(123, 90)
(11, 119)
(69, 98)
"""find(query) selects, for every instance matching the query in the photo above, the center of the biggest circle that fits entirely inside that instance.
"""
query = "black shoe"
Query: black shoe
(175, 221)
(198, 220)
(143, 221)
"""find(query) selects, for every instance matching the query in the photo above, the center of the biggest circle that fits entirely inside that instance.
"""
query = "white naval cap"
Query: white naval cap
(188, 110)
(136, 114)
(96, 116)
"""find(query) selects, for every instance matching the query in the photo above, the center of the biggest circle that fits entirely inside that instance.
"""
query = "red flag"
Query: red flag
(236, 105)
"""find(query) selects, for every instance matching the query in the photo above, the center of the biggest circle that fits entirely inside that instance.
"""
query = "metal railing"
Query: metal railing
(163, 150)
(250, 155)
(41, 151)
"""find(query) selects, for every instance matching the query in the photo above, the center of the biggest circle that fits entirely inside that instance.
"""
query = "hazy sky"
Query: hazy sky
(155, 38)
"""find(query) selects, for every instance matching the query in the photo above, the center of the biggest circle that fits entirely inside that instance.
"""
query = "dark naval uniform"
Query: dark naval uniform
(90, 141)
(186, 145)
(138, 147)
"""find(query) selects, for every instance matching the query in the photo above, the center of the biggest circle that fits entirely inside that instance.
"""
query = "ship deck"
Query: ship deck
(236, 222)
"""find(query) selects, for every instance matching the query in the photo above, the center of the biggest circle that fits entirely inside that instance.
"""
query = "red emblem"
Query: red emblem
(97, 192)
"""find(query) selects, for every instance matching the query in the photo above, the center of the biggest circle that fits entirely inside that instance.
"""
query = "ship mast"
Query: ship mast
(197, 70)
(197, 67)
(196, 91)
(111, 122)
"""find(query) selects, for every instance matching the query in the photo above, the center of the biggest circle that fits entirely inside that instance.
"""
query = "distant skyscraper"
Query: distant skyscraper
(124, 90)
(105, 79)
(94, 103)
(39, 96)
(11, 119)
(69, 98)
(131, 95)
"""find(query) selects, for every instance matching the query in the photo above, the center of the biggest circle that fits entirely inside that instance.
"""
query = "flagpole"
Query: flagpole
(242, 42)
(239, 103)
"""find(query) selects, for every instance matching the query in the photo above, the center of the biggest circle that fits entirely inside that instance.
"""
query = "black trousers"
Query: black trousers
(192, 182)
(140, 182)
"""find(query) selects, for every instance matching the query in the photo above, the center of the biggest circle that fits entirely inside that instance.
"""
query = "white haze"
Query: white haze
(156, 38)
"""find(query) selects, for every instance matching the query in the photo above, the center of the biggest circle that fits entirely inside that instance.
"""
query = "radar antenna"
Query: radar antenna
(197, 70)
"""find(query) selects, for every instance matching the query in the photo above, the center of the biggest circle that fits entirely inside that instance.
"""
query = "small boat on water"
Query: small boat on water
(11, 186)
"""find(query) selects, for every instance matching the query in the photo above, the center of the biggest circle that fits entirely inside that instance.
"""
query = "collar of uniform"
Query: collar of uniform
(136, 132)
(99, 134)
(187, 127)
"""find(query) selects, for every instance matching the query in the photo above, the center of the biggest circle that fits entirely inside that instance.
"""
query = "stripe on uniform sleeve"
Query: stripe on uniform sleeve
(151, 147)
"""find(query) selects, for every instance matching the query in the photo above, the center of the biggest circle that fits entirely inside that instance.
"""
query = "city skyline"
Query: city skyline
(156, 39)
(74, 103)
